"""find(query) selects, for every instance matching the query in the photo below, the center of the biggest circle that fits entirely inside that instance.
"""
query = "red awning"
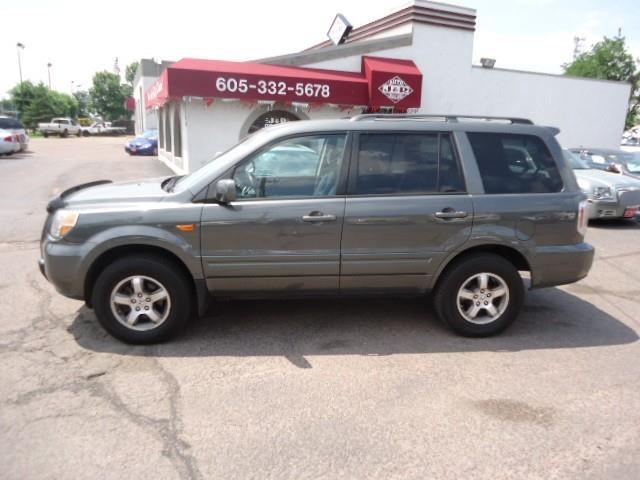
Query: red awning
(382, 82)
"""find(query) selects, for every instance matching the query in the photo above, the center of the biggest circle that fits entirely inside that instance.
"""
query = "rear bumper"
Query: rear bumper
(560, 264)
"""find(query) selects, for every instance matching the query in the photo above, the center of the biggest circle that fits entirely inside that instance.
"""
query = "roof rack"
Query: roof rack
(443, 118)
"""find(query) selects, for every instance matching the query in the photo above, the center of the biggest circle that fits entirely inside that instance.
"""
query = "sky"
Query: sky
(80, 38)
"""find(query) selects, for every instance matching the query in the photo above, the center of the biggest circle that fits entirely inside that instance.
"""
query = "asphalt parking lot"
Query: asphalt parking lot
(309, 389)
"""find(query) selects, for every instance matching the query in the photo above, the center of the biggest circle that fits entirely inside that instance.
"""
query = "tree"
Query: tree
(130, 72)
(46, 104)
(21, 96)
(108, 96)
(609, 59)
(82, 98)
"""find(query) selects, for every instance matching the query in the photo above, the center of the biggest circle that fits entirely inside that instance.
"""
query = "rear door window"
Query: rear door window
(406, 163)
(513, 163)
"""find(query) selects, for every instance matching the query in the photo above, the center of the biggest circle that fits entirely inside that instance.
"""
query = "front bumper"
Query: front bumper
(61, 265)
(133, 150)
(626, 205)
(610, 209)
(560, 264)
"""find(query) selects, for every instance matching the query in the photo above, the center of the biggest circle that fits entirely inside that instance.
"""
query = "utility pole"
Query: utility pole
(19, 46)
(49, 65)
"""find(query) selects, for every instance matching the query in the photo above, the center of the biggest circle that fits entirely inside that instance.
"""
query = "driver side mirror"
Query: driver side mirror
(225, 191)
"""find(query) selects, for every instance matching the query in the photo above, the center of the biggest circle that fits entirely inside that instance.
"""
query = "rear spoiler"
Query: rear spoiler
(553, 130)
(57, 202)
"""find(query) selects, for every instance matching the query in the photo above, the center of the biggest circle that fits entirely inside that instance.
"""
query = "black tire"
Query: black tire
(85, 133)
(64, 133)
(45, 134)
(159, 269)
(456, 275)
(79, 134)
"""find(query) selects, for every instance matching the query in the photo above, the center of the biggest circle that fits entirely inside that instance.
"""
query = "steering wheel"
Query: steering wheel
(245, 180)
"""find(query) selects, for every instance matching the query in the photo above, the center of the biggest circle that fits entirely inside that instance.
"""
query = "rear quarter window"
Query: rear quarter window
(513, 163)
(10, 123)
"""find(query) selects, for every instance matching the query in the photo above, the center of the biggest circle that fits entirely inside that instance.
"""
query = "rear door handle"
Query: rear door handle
(450, 213)
(318, 217)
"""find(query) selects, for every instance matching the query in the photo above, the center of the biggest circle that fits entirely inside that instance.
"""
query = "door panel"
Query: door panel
(397, 242)
(266, 245)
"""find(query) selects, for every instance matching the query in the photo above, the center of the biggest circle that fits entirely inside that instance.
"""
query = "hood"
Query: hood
(140, 141)
(110, 193)
(599, 178)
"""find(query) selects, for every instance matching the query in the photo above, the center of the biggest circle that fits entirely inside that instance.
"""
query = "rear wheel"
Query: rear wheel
(142, 299)
(64, 133)
(479, 295)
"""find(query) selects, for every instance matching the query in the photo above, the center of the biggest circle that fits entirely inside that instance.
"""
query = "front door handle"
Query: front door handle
(448, 213)
(318, 217)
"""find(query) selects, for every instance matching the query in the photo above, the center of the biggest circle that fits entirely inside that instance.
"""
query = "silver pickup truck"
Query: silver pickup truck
(60, 126)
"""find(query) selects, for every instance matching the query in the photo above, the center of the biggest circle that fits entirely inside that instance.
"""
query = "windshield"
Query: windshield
(244, 147)
(575, 161)
(151, 134)
(633, 162)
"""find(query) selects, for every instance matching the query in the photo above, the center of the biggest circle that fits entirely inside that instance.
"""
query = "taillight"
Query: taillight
(8, 139)
(583, 219)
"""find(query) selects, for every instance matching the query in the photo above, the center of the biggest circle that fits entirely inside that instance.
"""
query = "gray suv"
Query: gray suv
(375, 204)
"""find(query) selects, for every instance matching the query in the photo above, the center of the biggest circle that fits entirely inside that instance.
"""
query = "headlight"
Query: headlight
(602, 193)
(63, 222)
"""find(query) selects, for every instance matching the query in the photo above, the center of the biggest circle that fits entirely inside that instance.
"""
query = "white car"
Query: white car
(15, 126)
(8, 142)
(60, 126)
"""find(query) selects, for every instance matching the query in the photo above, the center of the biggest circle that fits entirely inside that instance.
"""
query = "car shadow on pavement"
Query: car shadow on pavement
(615, 224)
(552, 318)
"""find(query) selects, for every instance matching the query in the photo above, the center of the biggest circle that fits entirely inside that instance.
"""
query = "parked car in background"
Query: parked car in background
(96, 128)
(630, 142)
(610, 160)
(102, 128)
(60, 126)
(9, 143)
(145, 144)
(14, 125)
(380, 205)
(609, 195)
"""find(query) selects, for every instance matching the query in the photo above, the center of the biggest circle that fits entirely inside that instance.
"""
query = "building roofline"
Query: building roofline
(417, 11)
(340, 51)
(544, 74)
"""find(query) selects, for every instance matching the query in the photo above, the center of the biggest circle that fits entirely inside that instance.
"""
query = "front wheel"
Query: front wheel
(142, 299)
(45, 134)
(479, 295)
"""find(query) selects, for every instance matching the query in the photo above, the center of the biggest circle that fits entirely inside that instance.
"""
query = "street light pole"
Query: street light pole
(19, 46)
(49, 73)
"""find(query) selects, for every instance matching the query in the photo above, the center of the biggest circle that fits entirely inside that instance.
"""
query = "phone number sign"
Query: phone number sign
(337, 89)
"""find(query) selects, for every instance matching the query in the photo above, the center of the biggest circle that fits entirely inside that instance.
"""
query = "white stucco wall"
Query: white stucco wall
(588, 112)
(145, 119)
(208, 130)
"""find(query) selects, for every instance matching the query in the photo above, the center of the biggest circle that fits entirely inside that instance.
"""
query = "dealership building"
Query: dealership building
(417, 59)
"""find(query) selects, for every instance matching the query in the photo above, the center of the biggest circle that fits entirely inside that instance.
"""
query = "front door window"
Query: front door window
(306, 166)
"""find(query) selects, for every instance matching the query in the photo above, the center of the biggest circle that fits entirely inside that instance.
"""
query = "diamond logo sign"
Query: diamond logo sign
(395, 89)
